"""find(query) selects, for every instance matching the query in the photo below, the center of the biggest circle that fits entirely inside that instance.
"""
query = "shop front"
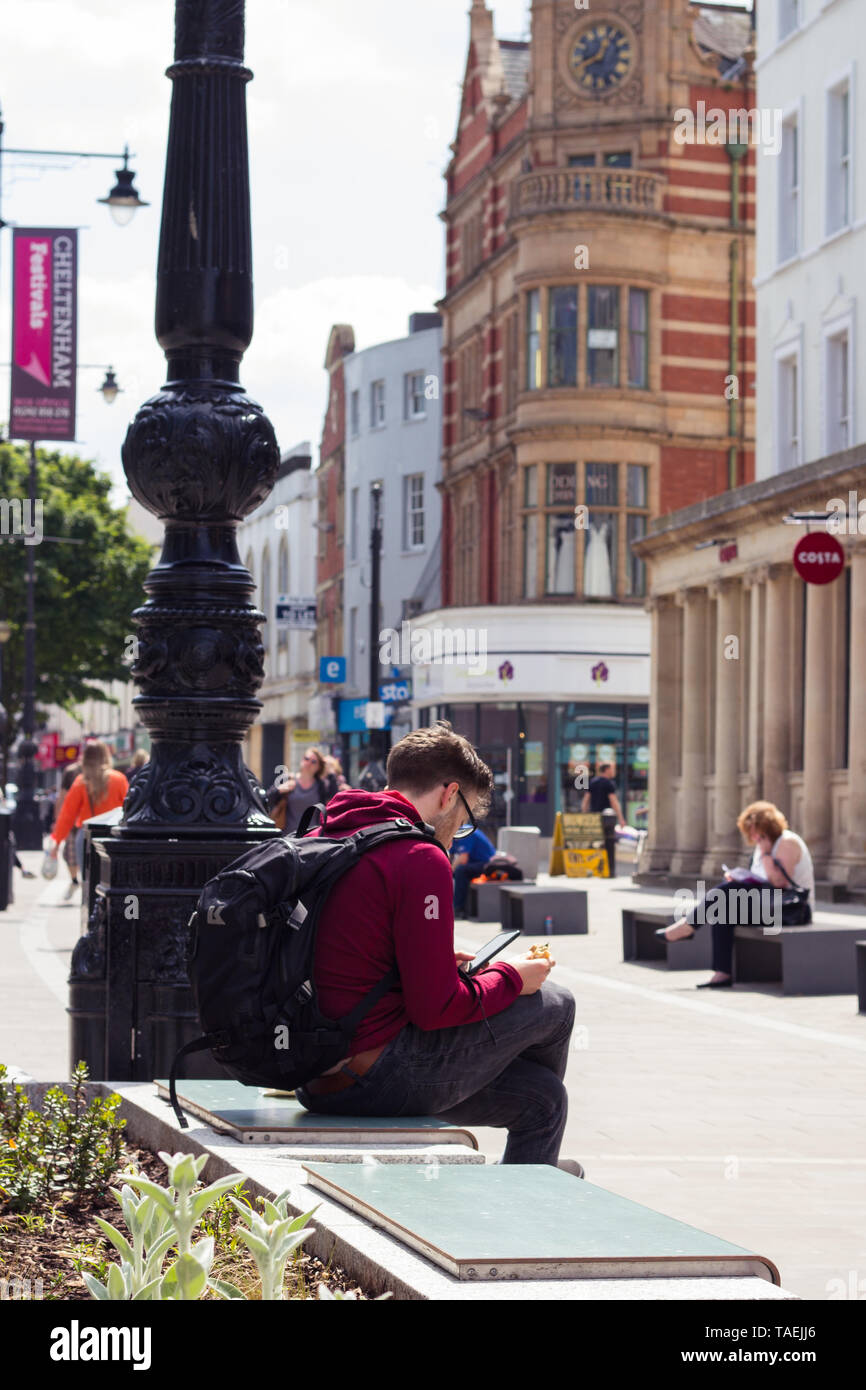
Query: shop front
(567, 694)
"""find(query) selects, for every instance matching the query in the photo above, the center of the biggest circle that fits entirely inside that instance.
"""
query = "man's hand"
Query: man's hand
(461, 957)
(532, 972)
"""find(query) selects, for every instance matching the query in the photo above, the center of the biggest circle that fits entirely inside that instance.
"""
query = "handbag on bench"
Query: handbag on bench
(796, 908)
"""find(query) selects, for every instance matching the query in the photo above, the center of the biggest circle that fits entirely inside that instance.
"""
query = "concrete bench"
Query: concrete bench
(818, 959)
(555, 1226)
(640, 943)
(483, 904)
(527, 907)
(246, 1114)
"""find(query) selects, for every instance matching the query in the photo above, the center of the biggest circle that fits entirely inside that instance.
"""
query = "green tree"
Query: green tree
(85, 592)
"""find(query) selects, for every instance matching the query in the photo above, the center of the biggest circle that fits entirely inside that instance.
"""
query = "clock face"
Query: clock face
(600, 58)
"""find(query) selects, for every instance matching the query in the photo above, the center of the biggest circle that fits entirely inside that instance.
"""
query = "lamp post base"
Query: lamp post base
(26, 825)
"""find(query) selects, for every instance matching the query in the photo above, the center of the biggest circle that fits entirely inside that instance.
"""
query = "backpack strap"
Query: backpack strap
(205, 1042)
(309, 816)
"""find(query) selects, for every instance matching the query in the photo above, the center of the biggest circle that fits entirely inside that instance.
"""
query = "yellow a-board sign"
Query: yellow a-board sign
(578, 848)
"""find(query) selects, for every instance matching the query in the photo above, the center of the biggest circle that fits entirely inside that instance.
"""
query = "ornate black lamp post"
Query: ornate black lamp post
(200, 455)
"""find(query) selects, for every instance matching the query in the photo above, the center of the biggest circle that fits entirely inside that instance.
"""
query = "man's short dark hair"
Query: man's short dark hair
(604, 767)
(434, 756)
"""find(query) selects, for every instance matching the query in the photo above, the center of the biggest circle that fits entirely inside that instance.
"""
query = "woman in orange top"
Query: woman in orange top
(97, 789)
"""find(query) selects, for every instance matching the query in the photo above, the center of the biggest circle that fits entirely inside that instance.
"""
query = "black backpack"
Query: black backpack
(251, 964)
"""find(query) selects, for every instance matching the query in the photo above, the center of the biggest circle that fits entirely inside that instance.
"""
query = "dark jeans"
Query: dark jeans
(462, 1075)
(760, 912)
(463, 876)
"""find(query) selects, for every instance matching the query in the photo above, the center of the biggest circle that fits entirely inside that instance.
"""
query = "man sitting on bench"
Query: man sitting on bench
(489, 1050)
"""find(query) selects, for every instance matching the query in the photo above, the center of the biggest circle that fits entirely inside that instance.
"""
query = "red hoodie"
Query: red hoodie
(395, 909)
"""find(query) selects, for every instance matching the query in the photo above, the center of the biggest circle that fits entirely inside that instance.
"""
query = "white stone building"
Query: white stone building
(277, 543)
(811, 232)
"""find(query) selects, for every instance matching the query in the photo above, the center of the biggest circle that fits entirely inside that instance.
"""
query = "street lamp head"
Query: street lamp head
(123, 199)
(109, 387)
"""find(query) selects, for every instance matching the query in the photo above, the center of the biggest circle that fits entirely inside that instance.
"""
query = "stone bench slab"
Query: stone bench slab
(244, 1113)
(530, 1221)
(526, 906)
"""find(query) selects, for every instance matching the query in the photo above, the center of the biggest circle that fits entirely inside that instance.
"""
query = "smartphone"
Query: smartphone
(493, 948)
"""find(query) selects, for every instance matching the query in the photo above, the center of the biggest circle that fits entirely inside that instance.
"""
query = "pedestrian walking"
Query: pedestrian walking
(69, 775)
(288, 803)
(601, 795)
(98, 788)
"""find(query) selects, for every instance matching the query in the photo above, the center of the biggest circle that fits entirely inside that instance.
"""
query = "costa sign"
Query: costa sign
(44, 308)
(818, 558)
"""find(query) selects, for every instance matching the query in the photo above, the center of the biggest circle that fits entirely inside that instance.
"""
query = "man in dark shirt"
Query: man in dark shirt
(602, 794)
(475, 851)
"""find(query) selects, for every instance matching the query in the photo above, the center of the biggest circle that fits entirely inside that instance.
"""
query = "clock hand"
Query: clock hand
(597, 57)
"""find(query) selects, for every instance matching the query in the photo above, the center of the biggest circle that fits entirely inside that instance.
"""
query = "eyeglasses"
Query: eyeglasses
(465, 830)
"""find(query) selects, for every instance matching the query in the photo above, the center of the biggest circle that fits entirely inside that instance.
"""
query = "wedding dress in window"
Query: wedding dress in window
(597, 575)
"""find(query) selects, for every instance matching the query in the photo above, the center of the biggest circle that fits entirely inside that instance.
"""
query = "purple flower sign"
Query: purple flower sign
(506, 671)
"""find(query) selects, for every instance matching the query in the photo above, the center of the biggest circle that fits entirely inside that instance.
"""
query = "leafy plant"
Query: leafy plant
(68, 1146)
(270, 1238)
(160, 1218)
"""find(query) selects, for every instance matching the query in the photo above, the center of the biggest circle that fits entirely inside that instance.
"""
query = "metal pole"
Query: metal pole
(201, 455)
(375, 592)
(28, 830)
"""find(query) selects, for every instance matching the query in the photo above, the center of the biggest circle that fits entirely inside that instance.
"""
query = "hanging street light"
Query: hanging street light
(123, 200)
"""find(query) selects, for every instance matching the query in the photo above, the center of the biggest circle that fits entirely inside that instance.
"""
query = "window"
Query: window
(467, 549)
(355, 412)
(283, 588)
(323, 512)
(353, 523)
(559, 528)
(533, 340)
(352, 663)
(377, 404)
(562, 343)
(416, 402)
(789, 17)
(838, 392)
(471, 235)
(510, 365)
(267, 598)
(617, 159)
(530, 556)
(635, 570)
(838, 158)
(471, 393)
(638, 338)
(789, 190)
(602, 336)
(413, 512)
(788, 411)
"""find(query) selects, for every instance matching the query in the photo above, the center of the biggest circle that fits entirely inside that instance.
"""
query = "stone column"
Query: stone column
(665, 696)
(755, 581)
(857, 722)
(724, 837)
(691, 840)
(776, 687)
(817, 724)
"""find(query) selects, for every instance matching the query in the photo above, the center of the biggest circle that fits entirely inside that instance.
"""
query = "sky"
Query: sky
(351, 112)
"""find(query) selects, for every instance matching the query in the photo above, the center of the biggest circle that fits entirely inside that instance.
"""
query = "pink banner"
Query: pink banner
(44, 330)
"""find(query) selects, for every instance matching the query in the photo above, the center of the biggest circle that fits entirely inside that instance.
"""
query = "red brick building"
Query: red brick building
(577, 218)
(331, 475)
(598, 364)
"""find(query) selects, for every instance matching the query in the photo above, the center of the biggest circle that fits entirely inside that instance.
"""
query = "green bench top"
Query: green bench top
(529, 1221)
(253, 1118)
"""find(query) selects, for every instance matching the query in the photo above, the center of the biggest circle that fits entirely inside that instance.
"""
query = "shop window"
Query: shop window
(602, 336)
(562, 342)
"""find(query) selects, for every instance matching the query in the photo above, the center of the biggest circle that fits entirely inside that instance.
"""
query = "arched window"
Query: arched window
(266, 595)
(283, 588)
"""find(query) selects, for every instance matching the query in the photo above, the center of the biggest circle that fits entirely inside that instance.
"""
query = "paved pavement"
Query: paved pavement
(742, 1113)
